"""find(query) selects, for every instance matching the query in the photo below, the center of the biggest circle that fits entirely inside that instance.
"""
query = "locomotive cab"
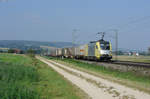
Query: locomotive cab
(105, 50)
(99, 50)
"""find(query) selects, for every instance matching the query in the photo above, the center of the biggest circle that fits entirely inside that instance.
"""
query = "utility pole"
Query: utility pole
(74, 39)
(116, 42)
(116, 32)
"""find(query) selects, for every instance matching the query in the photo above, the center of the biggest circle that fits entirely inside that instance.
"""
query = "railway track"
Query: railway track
(125, 63)
(129, 63)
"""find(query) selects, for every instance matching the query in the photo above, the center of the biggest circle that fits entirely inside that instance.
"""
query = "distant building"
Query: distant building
(129, 53)
(136, 54)
(17, 51)
(4, 50)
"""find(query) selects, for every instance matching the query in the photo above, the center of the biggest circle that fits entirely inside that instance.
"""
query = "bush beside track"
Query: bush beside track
(24, 77)
(126, 78)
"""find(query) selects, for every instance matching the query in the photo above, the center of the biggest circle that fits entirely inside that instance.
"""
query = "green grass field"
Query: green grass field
(134, 58)
(126, 78)
(23, 77)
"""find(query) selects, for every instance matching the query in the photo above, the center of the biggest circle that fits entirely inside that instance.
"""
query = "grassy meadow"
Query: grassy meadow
(24, 77)
(125, 78)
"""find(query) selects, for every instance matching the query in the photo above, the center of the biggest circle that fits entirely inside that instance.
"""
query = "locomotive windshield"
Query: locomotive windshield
(105, 45)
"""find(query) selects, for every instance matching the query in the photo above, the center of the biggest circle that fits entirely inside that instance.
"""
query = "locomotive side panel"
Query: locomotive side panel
(91, 49)
(97, 51)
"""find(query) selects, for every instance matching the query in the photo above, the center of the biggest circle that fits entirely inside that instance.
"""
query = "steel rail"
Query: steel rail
(125, 63)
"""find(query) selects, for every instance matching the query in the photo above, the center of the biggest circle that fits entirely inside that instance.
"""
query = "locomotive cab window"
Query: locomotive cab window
(102, 46)
(105, 46)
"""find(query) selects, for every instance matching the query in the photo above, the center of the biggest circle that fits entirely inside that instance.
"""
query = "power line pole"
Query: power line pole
(116, 32)
(116, 42)
(74, 37)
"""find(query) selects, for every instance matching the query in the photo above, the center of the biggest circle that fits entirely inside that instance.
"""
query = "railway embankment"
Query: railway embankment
(140, 69)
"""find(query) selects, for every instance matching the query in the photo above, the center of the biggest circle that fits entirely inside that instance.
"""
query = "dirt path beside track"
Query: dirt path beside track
(95, 87)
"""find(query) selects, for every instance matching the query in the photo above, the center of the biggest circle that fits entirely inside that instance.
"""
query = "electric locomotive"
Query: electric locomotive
(95, 50)
(99, 50)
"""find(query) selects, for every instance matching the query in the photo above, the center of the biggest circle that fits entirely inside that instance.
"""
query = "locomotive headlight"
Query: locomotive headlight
(104, 52)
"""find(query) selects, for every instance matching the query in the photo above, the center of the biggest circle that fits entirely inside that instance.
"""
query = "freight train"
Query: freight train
(95, 50)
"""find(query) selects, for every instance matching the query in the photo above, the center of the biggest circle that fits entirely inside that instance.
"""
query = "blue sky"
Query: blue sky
(54, 20)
